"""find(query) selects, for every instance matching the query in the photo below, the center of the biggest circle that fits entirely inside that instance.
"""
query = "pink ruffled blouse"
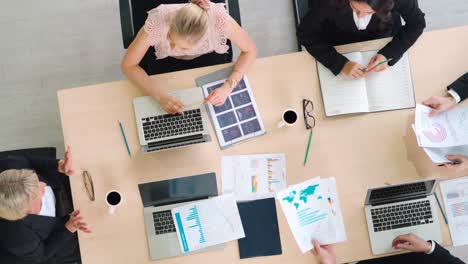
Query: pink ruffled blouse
(157, 26)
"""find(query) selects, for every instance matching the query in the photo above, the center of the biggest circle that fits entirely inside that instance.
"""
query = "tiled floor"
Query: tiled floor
(54, 44)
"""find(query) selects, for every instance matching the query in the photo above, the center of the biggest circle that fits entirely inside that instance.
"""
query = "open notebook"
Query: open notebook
(388, 90)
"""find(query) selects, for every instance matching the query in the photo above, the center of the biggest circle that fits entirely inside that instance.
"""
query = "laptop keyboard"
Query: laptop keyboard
(403, 215)
(164, 126)
(401, 190)
(163, 222)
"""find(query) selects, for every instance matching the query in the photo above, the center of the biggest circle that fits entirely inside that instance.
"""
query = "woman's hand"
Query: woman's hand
(219, 95)
(460, 162)
(171, 105)
(353, 70)
(324, 253)
(65, 166)
(378, 58)
(412, 243)
(439, 104)
(76, 223)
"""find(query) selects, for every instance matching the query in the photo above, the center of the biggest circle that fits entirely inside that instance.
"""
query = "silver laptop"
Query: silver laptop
(159, 131)
(401, 209)
(159, 198)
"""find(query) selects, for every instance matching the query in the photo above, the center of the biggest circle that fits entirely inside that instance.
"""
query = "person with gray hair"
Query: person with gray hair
(36, 225)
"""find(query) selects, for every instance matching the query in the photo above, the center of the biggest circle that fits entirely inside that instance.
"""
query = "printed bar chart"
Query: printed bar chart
(194, 219)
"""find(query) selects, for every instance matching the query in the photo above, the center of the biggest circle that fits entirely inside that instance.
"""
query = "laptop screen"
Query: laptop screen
(400, 192)
(178, 190)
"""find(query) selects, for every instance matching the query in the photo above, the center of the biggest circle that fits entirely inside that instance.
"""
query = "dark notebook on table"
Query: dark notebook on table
(260, 223)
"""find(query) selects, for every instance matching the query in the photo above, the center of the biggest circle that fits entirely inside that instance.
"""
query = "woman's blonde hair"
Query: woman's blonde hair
(190, 21)
(17, 187)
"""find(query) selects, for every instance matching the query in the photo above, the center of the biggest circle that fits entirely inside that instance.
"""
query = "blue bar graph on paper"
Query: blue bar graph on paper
(193, 219)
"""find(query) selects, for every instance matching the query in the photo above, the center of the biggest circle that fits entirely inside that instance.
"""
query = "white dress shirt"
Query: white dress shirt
(455, 95)
(363, 22)
(48, 203)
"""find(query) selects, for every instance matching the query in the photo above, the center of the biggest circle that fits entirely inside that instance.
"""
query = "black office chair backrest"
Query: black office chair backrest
(33, 152)
(133, 14)
(301, 7)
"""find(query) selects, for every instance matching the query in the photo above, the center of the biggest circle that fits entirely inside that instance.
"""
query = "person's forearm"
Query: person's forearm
(139, 77)
(243, 64)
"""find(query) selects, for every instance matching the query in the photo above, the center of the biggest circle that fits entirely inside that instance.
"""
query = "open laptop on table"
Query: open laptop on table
(401, 209)
(158, 130)
(158, 200)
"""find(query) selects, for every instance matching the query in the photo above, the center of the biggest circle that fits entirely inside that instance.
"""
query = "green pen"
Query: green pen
(441, 209)
(125, 139)
(378, 64)
(308, 147)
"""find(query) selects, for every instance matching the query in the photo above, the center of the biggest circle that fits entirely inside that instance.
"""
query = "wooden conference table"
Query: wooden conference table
(361, 150)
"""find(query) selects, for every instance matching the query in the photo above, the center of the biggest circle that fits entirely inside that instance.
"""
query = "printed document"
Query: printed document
(447, 129)
(312, 209)
(253, 177)
(455, 195)
(207, 223)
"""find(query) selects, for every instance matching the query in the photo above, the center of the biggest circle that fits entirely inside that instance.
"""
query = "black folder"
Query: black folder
(261, 230)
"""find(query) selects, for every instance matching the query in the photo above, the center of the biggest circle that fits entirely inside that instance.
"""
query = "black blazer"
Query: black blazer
(443, 256)
(439, 256)
(460, 86)
(327, 25)
(35, 238)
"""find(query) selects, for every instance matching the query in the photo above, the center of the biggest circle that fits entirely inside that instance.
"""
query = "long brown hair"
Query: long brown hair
(383, 8)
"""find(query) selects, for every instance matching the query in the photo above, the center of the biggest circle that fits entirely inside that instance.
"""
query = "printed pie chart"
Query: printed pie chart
(437, 134)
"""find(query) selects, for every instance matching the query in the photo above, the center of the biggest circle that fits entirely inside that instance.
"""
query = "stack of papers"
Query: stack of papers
(455, 194)
(253, 177)
(444, 134)
(312, 209)
(207, 223)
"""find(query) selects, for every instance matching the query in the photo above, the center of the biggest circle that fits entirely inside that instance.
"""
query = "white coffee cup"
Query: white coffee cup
(289, 118)
(113, 200)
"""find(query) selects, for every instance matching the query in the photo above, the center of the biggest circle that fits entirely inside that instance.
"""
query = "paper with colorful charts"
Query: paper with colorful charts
(447, 129)
(238, 119)
(312, 209)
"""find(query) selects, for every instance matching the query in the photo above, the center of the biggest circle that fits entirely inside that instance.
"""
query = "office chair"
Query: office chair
(301, 7)
(133, 14)
(34, 152)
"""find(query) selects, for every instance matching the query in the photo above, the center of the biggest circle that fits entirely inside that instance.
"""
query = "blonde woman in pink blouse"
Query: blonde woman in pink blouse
(186, 31)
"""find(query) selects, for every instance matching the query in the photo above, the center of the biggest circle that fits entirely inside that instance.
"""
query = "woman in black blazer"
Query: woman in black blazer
(336, 22)
(27, 233)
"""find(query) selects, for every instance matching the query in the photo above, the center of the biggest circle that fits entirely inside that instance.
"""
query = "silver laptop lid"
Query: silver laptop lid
(401, 192)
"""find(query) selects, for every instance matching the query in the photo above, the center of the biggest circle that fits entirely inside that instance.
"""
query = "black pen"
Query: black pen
(449, 163)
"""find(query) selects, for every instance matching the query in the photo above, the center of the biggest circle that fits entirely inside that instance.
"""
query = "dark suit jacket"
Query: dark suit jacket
(439, 256)
(460, 86)
(35, 238)
(326, 25)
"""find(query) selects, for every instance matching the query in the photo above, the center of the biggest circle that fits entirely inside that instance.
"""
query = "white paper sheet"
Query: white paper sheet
(342, 95)
(251, 177)
(392, 88)
(313, 211)
(455, 195)
(207, 223)
(447, 129)
(438, 155)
